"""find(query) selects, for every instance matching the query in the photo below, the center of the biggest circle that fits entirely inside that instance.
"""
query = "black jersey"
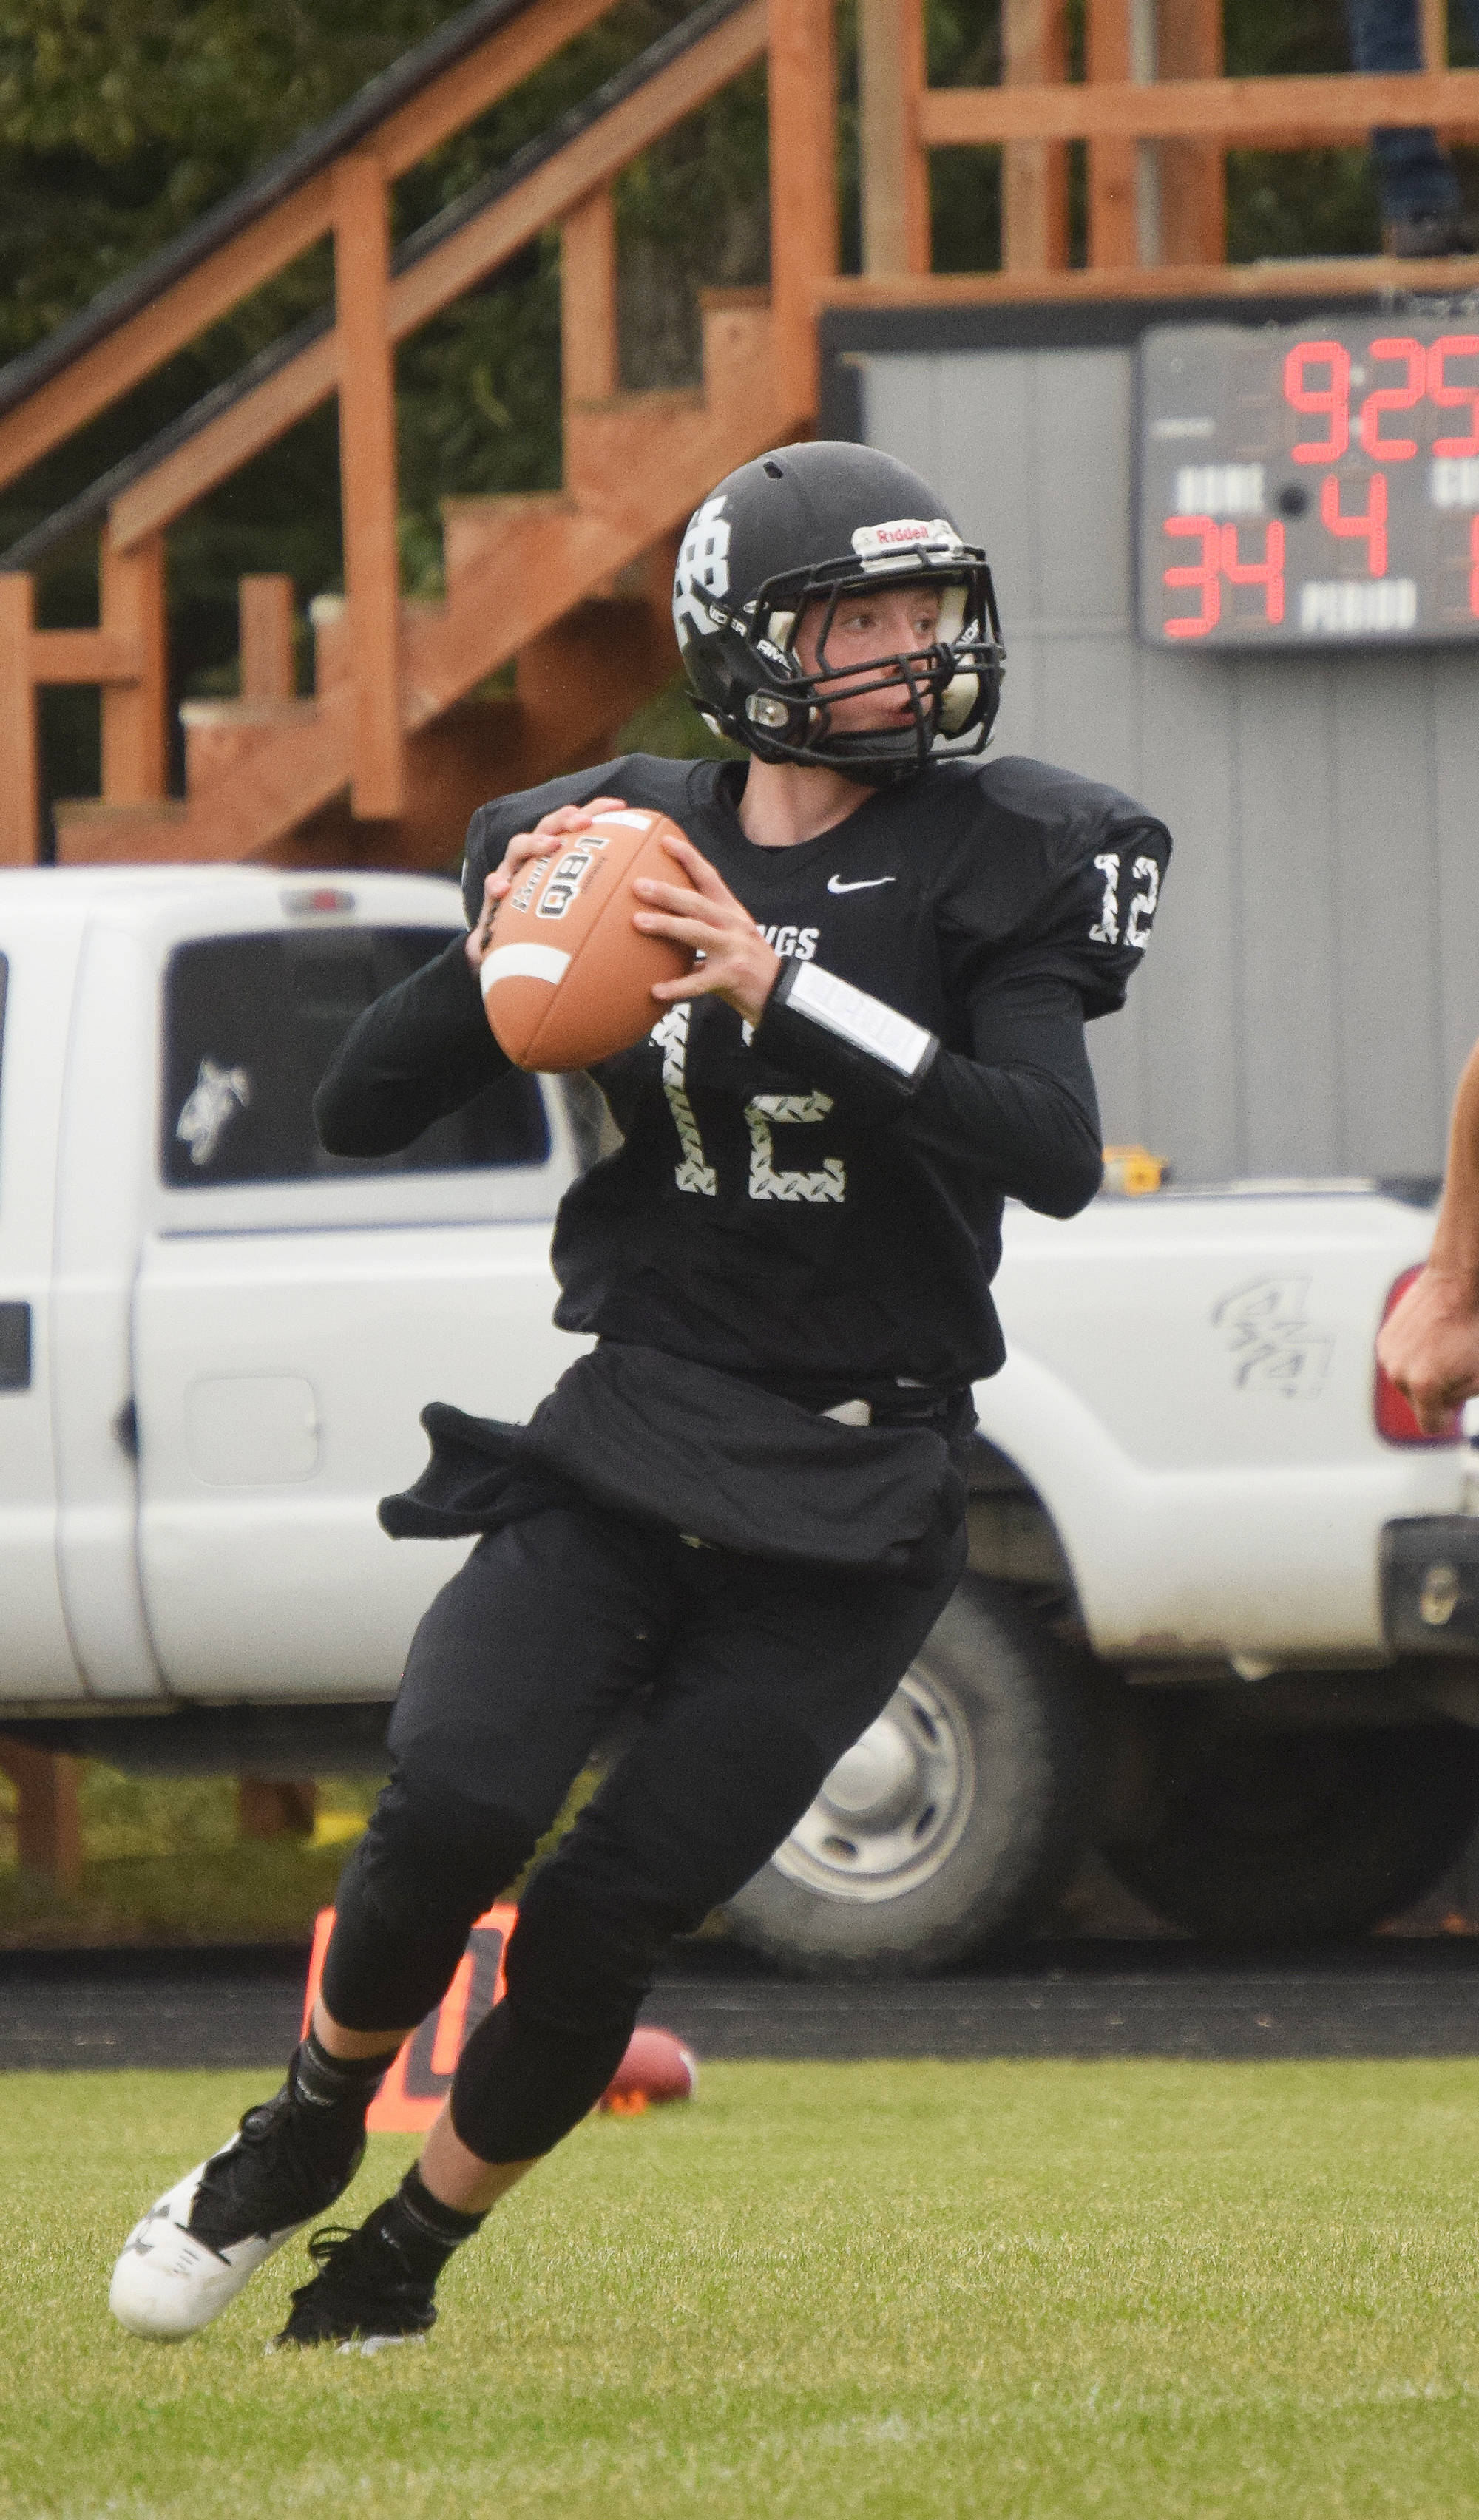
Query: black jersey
(816, 1201)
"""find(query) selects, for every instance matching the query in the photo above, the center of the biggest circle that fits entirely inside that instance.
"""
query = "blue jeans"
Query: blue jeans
(1417, 179)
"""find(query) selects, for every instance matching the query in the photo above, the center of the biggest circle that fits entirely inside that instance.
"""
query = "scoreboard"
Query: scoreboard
(1305, 485)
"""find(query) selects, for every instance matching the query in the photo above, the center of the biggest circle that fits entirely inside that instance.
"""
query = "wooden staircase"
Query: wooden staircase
(563, 597)
(572, 589)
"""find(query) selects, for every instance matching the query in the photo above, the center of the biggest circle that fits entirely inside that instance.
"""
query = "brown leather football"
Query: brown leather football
(568, 979)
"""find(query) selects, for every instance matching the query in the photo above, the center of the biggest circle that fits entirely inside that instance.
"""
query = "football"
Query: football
(566, 978)
(656, 2067)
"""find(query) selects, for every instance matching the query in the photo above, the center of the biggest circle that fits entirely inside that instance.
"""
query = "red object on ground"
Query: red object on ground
(656, 2066)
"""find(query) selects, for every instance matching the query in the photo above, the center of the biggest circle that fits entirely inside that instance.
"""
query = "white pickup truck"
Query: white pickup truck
(1217, 1622)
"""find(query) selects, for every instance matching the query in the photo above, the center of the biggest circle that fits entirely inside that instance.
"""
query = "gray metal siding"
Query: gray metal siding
(1313, 989)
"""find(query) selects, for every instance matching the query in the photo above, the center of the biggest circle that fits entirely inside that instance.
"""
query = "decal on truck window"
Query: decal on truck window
(251, 1025)
(219, 1093)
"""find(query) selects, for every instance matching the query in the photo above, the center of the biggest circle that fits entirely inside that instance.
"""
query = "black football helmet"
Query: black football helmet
(808, 524)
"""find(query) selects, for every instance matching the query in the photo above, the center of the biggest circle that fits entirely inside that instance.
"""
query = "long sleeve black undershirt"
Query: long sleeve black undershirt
(1020, 1115)
(421, 1051)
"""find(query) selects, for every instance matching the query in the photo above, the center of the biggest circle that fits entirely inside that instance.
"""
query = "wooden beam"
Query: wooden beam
(48, 1828)
(264, 614)
(278, 237)
(135, 722)
(1356, 276)
(1034, 173)
(472, 84)
(1306, 113)
(589, 362)
(1433, 33)
(1194, 190)
(19, 768)
(803, 187)
(893, 170)
(224, 445)
(594, 157)
(98, 656)
(1113, 216)
(276, 1806)
(460, 262)
(146, 339)
(368, 476)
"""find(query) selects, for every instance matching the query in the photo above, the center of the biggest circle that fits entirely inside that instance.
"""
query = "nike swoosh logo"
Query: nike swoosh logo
(865, 883)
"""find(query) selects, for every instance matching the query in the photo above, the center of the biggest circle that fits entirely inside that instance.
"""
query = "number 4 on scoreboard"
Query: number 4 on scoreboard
(1220, 559)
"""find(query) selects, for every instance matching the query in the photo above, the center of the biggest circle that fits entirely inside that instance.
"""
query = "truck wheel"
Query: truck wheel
(952, 1821)
(1288, 1838)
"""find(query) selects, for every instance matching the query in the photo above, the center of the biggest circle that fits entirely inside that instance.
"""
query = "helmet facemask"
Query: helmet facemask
(784, 713)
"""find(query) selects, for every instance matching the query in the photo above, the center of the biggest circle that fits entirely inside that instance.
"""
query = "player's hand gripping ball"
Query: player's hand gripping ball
(566, 978)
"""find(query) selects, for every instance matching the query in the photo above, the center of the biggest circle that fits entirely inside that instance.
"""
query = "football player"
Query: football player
(737, 1517)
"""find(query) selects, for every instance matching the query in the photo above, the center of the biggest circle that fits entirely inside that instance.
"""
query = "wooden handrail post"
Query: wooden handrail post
(1433, 31)
(1034, 173)
(264, 617)
(893, 168)
(368, 476)
(135, 732)
(48, 1825)
(803, 187)
(1194, 192)
(19, 779)
(1113, 174)
(589, 361)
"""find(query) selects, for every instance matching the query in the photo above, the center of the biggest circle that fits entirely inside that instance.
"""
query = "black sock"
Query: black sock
(347, 2084)
(423, 2232)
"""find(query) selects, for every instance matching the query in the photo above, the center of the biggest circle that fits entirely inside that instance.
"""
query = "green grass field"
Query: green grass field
(907, 2291)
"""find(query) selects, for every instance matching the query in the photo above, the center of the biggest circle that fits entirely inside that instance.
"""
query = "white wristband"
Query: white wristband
(865, 1022)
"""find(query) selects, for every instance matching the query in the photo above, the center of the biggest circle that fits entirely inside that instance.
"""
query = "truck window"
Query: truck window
(252, 1023)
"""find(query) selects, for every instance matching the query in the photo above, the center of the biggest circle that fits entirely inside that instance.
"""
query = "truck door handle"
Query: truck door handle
(15, 1347)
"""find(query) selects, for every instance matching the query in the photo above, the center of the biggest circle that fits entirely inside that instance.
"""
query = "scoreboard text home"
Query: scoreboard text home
(1307, 485)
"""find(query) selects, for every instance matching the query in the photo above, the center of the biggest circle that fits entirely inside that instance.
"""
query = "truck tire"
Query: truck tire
(1300, 1836)
(951, 1824)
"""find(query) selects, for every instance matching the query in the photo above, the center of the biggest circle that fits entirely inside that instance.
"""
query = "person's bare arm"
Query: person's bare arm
(1430, 1346)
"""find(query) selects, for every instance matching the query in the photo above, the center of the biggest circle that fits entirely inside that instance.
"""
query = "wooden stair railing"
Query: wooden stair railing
(567, 591)
(393, 678)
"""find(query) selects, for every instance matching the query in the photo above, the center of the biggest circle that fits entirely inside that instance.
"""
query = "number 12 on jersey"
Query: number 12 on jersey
(694, 1171)
(1106, 929)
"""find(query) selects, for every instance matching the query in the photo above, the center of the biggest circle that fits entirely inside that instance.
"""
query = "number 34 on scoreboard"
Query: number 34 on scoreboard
(1308, 485)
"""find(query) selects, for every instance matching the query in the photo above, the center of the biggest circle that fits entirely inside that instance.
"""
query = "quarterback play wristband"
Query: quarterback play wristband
(844, 1036)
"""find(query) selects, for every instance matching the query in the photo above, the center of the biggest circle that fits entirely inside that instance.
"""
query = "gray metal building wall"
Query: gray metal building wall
(1313, 987)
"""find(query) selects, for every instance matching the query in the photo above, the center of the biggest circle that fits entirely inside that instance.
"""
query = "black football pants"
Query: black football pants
(747, 1680)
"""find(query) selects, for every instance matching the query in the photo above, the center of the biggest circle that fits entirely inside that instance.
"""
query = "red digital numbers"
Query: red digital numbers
(1205, 574)
(1266, 572)
(1454, 345)
(1371, 522)
(1394, 450)
(1309, 364)
(1333, 400)
(1220, 559)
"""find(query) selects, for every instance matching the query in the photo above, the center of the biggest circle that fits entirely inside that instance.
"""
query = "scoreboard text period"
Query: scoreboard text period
(1309, 484)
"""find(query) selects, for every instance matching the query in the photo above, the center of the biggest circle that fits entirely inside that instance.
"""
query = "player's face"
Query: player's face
(867, 626)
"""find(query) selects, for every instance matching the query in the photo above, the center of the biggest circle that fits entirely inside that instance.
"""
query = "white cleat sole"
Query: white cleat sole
(169, 2285)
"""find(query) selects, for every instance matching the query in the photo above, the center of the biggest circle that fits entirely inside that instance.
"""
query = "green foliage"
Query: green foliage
(879, 2293)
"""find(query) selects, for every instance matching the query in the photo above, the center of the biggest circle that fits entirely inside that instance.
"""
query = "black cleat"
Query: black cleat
(363, 2298)
(287, 2164)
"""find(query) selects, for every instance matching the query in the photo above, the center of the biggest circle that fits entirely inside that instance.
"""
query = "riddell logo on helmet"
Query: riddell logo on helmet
(903, 534)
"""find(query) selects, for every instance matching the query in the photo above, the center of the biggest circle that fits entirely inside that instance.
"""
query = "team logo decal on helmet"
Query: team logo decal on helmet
(782, 541)
(702, 565)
